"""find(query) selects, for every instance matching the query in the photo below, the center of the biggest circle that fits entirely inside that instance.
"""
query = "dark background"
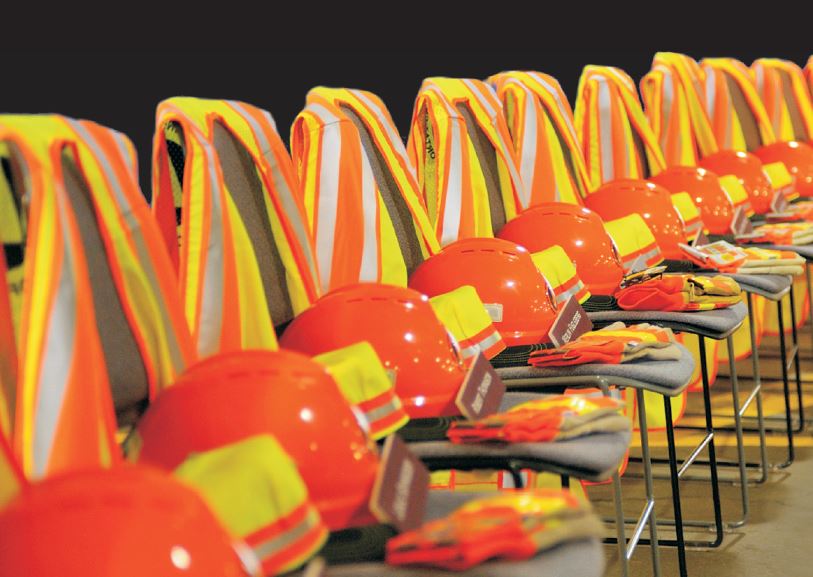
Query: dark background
(121, 90)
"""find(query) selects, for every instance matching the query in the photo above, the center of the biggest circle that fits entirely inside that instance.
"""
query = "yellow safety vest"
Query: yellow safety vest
(245, 258)
(461, 148)
(540, 122)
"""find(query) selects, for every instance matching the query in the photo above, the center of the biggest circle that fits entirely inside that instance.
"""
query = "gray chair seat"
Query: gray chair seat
(592, 457)
(716, 324)
(770, 286)
(583, 558)
(805, 250)
(665, 377)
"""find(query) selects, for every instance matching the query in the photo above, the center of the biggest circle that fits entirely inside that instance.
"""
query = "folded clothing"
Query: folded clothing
(796, 233)
(614, 344)
(510, 525)
(726, 257)
(681, 292)
(554, 418)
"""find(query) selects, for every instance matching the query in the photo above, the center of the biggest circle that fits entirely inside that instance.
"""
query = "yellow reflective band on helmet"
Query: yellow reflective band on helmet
(463, 314)
(540, 122)
(363, 381)
(560, 272)
(636, 245)
(365, 210)
(614, 131)
(255, 490)
(688, 212)
(736, 193)
(784, 91)
(461, 147)
(778, 175)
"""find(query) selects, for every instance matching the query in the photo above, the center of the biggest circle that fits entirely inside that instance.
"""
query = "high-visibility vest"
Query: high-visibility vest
(787, 100)
(255, 490)
(245, 258)
(672, 92)
(64, 416)
(461, 147)
(738, 116)
(635, 243)
(540, 122)
(614, 132)
(361, 199)
(673, 96)
(463, 314)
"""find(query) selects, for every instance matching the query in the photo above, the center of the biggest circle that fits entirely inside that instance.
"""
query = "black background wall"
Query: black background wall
(122, 90)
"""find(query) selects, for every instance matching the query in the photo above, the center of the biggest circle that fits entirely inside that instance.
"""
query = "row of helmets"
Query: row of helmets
(353, 237)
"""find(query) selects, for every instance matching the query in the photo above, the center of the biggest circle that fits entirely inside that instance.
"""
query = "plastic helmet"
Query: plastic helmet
(748, 170)
(704, 187)
(400, 324)
(235, 395)
(625, 196)
(129, 521)
(517, 295)
(797, 157)
(580, 232)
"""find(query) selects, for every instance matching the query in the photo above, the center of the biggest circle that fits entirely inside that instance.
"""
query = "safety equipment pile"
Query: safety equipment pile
(554, 418)
(725, 257)
(511, 526)
(614, 344)
(795, 233)
(680, 292)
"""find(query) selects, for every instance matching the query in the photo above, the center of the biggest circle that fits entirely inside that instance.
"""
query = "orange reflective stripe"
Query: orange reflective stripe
(784, 91)
(722, 76)
(610, 122)
(64, 414)
(540, 122)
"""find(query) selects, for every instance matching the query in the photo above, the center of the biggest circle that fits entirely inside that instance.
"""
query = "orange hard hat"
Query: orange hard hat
(235, 395)
(515, 292)
(748, 170)
(619, 198)
(797, 157)
(404, 331)
(128, 521)
(716, 209)
(580, 232)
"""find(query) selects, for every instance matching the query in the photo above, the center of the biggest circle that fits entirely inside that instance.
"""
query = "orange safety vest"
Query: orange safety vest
(540, 122)
(221, 172)
(787, 100)
(361, 199)
(460, 145)
(64, 416)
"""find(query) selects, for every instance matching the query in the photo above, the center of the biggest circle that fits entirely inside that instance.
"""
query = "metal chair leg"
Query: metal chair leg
(785, 387)
(735, 395)
(796, 361)
(648, 483)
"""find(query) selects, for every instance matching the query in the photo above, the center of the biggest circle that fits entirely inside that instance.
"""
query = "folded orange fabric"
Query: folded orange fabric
(681, 292)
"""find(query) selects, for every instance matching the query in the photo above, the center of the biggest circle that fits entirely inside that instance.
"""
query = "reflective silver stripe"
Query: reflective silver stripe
(483, 345)
(528, 159)
(759, 72)
(711, 101)
(284, 193)
(369, 208)
(605, 130)
(134, 230)
(273, 546)
(454, 188)
(328, 193)
(480, 98)
(383, 411)
(57, 354)
(646, 256)
(667, 95)
(124, 151)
